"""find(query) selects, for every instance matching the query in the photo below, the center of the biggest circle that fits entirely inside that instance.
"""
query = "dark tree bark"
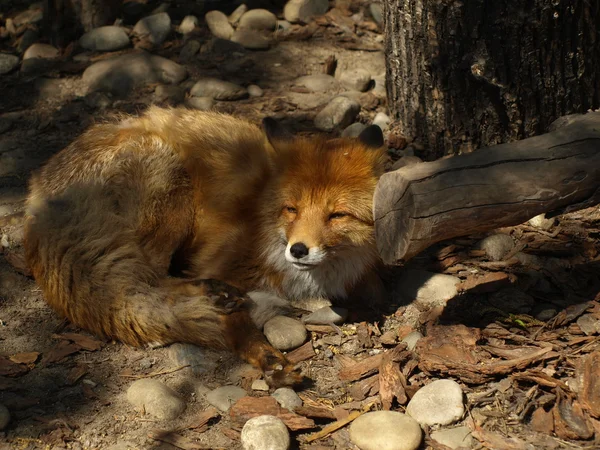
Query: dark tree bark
(472, 73)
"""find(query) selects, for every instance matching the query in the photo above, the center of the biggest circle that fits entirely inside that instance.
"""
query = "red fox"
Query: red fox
(130, 225)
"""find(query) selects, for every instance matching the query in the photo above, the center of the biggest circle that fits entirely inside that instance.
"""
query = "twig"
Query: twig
(338, 424)
(154, 374)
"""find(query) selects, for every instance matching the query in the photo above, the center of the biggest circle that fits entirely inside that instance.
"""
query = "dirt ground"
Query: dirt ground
(529, 379)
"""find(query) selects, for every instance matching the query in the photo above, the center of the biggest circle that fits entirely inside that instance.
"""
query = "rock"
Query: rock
(411, 339)
(189, 50)
(454, 437)
(376, 13)
(260, 385)
(287, 398)
(303, 10)
(219, 24)
(4, 417)
(188, 24)
(199, 359)
(251, 39)
(406, 161)
(357, 79)
(265, 433)
(589, 324)
(200, 103)
(97, 100)
(385, 430)
(512, 300)
(43, 51)
(8, 63)
(255, 91)
(120, 74)
(379, 90)
(317, 83)
(382, 120)
(285, 333)
(428, 288)
(544, 311)
(353, 130)
(258, 19)
(438, 403)
(155, 398)
(541, 222)
(218, 89)
(496, 246)
(339, 113)
(155, 28)
(235, 16)
(29, 38)
(326, 315)
(283, 25)
(29, 16)
(223, 397)
(104, 39)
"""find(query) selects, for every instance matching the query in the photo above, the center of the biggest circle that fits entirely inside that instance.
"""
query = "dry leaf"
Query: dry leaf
(25, 358)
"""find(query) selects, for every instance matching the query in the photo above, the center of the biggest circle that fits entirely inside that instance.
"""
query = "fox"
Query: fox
(178, 225)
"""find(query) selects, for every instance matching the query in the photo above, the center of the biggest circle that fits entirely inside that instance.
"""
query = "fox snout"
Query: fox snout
(302, 256)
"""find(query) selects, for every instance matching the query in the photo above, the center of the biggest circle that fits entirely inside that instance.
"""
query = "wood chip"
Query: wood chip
(302, 353)
(364, 388)
(85, 342)
(248, 407)
(588, 373)
(328, 429)
(490, 282)
(319, 412)
(61, 351)
(391, 382)
(361, 369)
(12, 369)
(570, 421)
(200, 423)
(176, 440)
(25, 358)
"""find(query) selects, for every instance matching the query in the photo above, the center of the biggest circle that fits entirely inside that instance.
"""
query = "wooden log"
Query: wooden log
(421, 204)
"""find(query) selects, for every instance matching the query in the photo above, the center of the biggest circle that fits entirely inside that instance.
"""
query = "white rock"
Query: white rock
(260, 385)
(4, 417)
(200, 103)
(496, 246)
(385, 430)
(541, 222)
(258, 19)
(382, 120)
(454, 437)
(589, 324)
(320, 82)
(225, 396)
(218, 24)
(265, 433)
(428, 288)
(218, 89)
(339, 113)
(357, 79)
(156, 28)
(235, 16)
(287, 398)
(411, 339)
(438, 403)
(326, 315)
(251, 39)
(379, 90)
(44, 51)
(188, 24)
(8, 63)
(353, 130)
(156, 399)
(104, 39)
(303, 10)
(255, 91)
(285, 333)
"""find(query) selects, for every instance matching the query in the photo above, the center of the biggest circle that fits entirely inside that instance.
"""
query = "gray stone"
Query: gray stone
(303, 10)
(406, 161)
(200, 103)
(4, 417)
(223, 397)
(512, 300)
(379, 90)
(199, 359)
(250, 39)
(326, 315)
(320, 82)
(97, 100)
(255, 91)
(8, 63)
(287, 398)
(235, 16)
(265, 433)
(385, 430)
(357, 79)
(120, 74)
(189, 50)
(589, 324)
(376, 13)
(285, 333)
(411, 339)
(218, 89)
(459, 437)
(260, 385)
(258, 19)
(541, 222)
(188, 24)
(339, 113)
(29, 38)
(32, 15)
(428, 288)
(438, 403)
(353, 130)
(104, 39)
(156, 399)
(155, 28)
(219, 24)
(544, 311)
(43, 51)
(382, 120)
(496, 246)
(283, 25)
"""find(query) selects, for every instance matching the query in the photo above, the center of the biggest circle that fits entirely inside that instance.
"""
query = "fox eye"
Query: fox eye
(337, 215)
(291, 209)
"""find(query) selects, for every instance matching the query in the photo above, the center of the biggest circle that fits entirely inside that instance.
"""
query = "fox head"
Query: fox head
(323, 198)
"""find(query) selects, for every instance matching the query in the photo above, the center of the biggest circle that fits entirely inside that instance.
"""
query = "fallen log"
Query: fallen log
(504, 185)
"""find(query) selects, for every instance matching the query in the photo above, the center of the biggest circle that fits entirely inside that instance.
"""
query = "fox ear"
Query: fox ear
(274, 131)
(372, 136)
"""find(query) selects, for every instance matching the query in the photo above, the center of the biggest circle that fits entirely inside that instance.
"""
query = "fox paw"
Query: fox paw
(280, 372)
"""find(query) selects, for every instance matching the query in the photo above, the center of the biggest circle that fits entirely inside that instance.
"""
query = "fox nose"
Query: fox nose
(299, 250)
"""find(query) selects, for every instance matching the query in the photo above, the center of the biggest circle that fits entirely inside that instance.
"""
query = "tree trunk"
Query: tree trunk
(473, 73)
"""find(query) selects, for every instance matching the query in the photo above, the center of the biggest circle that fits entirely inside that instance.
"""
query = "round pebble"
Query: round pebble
(265, 433)
(251, 39)
(169, 94)
(218, 24)
(438, 403)
(188, 51)
(382, 120)
(285, 333)
(260, 385)
(8, 63)
(385, 430)
(29, 37)
(236, 15)
(454, 437)
(320, 82)
(258, 19)
(255, 91)
(287, 398)
(326, 315)
(218, 89)
(4, 417)
(428, 288)
(303, 10)
(200, 360)
(156, 399)
(353, 130)
(496, 246)
(104, 39)
(357, 79)
(411, 339)
(44, 51)
(200, 103)
(541, 222)
(223, 397)
(156, 28)
(188, 24)
(339, 113)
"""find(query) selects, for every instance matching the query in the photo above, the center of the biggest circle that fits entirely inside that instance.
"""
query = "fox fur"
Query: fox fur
(130, 225)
